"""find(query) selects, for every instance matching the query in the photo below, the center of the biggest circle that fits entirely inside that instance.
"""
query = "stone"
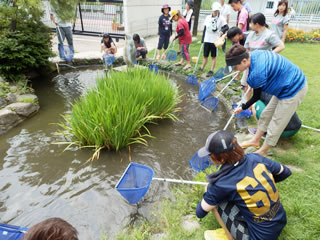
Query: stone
(23, 109)
(159, 236)
(7, 118)
(242, 137)
(228, 92)
(189, 223)
(250, 150)
(11, 97)
(23, 97)
(241, 123)
(3, 102)
(235, 99)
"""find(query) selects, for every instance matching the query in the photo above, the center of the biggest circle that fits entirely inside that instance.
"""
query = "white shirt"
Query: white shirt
(225, 10)
(58, 20)
(213, 27)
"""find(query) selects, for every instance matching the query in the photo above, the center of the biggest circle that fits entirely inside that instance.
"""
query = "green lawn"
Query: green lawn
(300, 193)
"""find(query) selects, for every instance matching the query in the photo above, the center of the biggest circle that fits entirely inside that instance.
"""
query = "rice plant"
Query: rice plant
(114, 114)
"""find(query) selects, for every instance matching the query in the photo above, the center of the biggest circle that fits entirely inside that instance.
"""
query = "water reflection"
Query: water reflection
(39, 180)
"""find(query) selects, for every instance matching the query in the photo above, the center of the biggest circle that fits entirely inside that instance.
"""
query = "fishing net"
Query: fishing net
(206, 88)
(192, 79)
(171, 55)
(210, 103)
(244, 114)
(10, 232)
(200, 164)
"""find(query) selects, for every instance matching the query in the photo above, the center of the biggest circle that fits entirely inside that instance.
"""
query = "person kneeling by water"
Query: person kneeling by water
(242, 194)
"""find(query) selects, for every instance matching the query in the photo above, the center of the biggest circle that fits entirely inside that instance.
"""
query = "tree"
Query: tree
(196, 9)
(65, 10)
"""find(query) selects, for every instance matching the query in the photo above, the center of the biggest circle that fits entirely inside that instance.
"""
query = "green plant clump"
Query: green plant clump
(114, 114)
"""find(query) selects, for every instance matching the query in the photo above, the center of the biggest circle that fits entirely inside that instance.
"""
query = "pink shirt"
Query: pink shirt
(186, 38)
(243, 18)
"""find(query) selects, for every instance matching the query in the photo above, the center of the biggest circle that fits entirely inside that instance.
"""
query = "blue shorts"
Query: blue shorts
(163, 41)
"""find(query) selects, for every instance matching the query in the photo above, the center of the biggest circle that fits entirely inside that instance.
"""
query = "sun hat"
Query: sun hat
(173, 13)
(217, 142)
(216, 6)
(165, 6)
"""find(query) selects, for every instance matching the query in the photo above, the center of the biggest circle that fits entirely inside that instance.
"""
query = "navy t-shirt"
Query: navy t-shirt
(251, 187)
(275, 74)
(165, 25)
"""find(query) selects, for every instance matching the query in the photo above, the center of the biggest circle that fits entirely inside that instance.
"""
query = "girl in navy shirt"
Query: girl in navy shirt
(165, 30)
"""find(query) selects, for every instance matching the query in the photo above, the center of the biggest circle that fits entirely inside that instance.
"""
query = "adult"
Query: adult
(185, 38)
(140, 45)
(225, 11)
(188, 13)
(214, 26)
(274, 74)
(164, 30)
(107, 44)
(50, 229)
(63, 29)
(242, 17)
(243, 194)
(280, 22)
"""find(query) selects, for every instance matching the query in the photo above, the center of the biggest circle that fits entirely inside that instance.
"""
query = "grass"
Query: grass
(114, 114)
(300, 193)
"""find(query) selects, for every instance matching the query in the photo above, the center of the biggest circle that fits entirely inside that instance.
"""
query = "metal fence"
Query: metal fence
(95, 18)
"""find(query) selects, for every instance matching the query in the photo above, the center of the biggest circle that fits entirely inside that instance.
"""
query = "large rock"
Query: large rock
(27, 97)
(23, 109)
(7, 118)
(189, 223)
(3, 102)
(11, 97)
(242, 123)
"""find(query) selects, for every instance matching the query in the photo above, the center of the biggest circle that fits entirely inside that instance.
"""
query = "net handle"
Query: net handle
(234, 76)
(179, 181)
(229, 121)
(167, 49)
(59, 32)
(318, 130)
(195, 67)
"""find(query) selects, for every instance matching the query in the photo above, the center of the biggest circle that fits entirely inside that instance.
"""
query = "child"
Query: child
(184, 36)
(237, 36)
(243, 193)
(107, 45)
(165, 30)
(242, 18)
(140, 46)
(281, 20)
(214, 26)
(50, 229)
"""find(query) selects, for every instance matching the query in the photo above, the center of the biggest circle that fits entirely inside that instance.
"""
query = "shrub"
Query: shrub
(114, 114)
(316, 35)
(25, 42)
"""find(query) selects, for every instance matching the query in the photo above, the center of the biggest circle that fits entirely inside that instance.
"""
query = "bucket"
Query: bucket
(194, 59)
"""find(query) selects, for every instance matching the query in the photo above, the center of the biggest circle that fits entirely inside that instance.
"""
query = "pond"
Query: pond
(39, 180)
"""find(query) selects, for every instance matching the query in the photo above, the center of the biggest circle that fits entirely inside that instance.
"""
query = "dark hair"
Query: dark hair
(230, 157)
(233, 32)
(107, 44)
(136, 38)
(285, 11)
(190, 3)
(235, 50)
(234, 1)
(259, 18)
(51, 229)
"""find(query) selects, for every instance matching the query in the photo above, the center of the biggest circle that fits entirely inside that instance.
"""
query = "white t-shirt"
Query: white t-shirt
(58, 20)
(225, 10)
(213, 27)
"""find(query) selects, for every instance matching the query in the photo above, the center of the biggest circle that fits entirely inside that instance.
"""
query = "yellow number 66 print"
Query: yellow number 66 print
(251, 200)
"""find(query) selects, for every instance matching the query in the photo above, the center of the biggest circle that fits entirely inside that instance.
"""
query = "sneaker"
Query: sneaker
(209, 74)
(200, 69)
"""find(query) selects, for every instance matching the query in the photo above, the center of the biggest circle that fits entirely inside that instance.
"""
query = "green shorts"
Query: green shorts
(259, 106)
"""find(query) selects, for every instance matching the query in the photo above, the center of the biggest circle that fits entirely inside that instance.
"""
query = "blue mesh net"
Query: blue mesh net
(10, 232)
(206, 88)
(108, 59)
(135, 182)
(153, 68)
(244, 114)
(66, 52)
(219, 74)
(171, 55)
(192, 79)
(200, 164)
(210, 103)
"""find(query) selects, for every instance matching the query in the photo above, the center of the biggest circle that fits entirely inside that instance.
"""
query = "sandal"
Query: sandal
(249, 145)
(177, 64)
(187, 67)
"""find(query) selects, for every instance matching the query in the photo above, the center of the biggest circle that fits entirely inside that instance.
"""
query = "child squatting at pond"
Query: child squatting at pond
(243, 195)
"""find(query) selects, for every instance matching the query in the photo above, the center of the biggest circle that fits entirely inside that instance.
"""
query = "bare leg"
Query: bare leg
(213, 63)
(255, 141)
(220, 221)
(204, 63)
(264, 149)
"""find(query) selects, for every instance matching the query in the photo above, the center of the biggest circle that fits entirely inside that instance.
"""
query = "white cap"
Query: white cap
(216, 6)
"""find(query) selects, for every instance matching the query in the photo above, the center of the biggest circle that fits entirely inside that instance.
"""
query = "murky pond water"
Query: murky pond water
(39, 180)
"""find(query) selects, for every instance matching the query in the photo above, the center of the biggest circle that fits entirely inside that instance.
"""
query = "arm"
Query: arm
(52, 19)
(228, 18)
(255, 97)
(240, 25)
(279, 48)
(181, 32)
(283, 174)
(285, 31)
(224, 28)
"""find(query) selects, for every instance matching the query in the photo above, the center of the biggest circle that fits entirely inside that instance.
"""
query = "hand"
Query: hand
(238, 110)
(138, 48)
